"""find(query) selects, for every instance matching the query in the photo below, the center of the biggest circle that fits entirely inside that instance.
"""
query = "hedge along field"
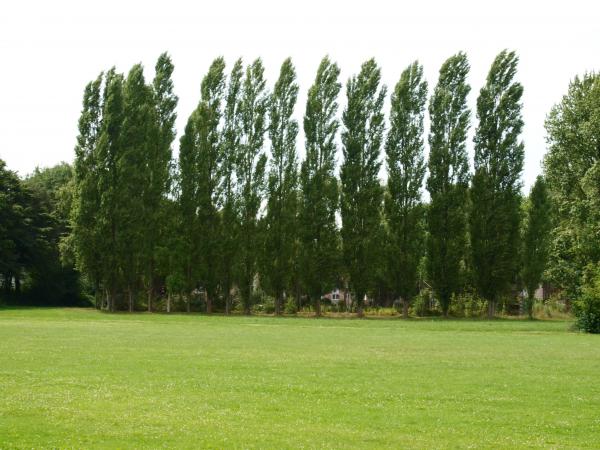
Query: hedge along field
(82, 378)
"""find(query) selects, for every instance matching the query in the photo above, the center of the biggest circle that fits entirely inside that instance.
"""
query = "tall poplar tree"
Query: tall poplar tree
(187, 208)
(209, 156)
(231, 144)
(136, 165)
(158, 167)
(448, 179)
(406, 169)
(86, 202)
(109, 149)
(282, 186)
(250, 168)
(319, 197)
(361, 191)
(536, 236)
(496, 184)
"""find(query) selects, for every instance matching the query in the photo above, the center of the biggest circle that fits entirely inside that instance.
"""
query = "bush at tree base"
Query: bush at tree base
(587, 307)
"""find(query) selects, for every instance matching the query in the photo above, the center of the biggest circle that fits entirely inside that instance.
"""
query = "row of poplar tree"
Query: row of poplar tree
(238, 208)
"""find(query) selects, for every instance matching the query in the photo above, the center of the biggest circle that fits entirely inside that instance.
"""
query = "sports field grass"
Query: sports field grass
(77, 378)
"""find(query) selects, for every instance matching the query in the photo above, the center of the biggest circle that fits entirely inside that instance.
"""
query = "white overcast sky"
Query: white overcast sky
(51, 49)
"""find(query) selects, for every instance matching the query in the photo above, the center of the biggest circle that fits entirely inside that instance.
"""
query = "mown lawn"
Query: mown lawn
(77, 378)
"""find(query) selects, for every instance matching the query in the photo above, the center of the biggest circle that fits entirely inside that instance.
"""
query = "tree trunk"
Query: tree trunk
(111, 301)
(405, 308)
(150, 297)
(318, 305)
(359, 305)
(278, 302)
(7, 283)
(491, 309)
(189, 303)
(130, 294)
(298, 295)
(247, 299)
(97, 295)
(445, 307)
(17, 285)
(169, 302)
(360, 310)
(227, 303)
(530, 300)
(208, 302)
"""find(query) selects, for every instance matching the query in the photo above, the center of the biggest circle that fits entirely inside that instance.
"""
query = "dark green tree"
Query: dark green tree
(361, 191)
(406, 169)
(52, 279)
(572, 174)
(108, 149)
(319, 188)
(158, 168)
(209, 158)
(282, 200)
(536, 233)
(136, 164)
(86, 237)
(250, 170)
(448, 179)
(19, 232)
(34, 217)
(496, 184)
(231, 145)
(186, 196)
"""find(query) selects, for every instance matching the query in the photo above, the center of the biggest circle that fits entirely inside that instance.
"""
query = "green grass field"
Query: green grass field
(77, 378)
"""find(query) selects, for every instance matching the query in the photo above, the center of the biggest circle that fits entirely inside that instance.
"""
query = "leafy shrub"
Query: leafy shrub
(587, 307)
(422, 304)
(467, 304)
(262, 304)
(290, 306)
(554, 307)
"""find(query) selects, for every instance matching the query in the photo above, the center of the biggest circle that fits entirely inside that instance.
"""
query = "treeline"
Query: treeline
(34, 218)
(238, 214)
(239, 210)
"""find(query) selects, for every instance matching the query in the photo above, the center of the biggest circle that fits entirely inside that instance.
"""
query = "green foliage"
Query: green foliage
(319, 188)
(34, 216)
(187, 196)
(226, 225)
(282, 188)
(175, 282)
(406, 170)
(108, 215)
(361, 191)
(86, 241)
(496, 184)
(208, 177)
(52, 279)
(290, 307)
(467, 304)
(158, 168)
(139, 166)
(572, 173)
(448, 179)
(536, 234)
(122, 179)
(230, 141)
(250, 169)
(421, 305)
(587, 306)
